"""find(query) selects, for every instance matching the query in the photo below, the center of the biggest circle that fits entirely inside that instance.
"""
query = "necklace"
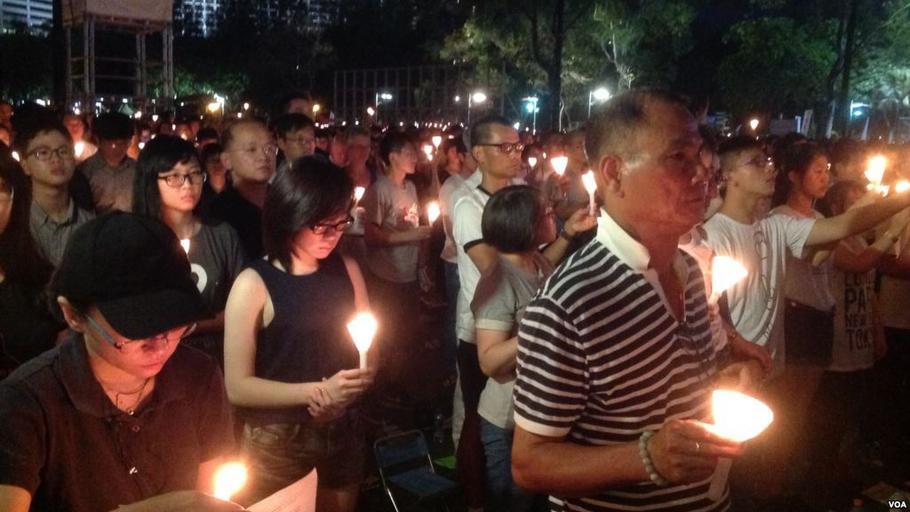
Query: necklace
(139, 392)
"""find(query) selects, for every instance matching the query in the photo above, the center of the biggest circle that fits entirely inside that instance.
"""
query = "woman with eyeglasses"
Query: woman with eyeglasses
(168, 187)
(290, 365)
(26, 327)
(516, 221)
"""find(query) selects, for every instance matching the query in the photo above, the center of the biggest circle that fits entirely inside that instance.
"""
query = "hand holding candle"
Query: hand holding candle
(362, 329)
(229, 478)
(737, 417)
(591, 186)
(559, 164)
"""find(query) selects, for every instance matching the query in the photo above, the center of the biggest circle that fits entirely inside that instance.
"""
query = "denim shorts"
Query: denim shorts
(280, 454)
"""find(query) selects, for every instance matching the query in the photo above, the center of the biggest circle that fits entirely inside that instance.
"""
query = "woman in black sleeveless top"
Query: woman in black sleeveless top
(290, 366)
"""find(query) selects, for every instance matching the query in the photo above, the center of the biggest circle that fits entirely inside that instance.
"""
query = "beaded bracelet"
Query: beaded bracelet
(646, 459)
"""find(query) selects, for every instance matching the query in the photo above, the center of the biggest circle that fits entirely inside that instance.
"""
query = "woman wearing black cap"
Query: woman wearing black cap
(120, 414)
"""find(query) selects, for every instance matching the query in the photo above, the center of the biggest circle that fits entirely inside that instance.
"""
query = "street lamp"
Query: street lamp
(476, 97)
(531, 107)
(599, 95)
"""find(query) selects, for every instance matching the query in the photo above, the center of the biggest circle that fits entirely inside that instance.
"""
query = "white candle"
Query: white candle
(362, 329)
(229, 478)
(591, 186)
(559, 164)
(737, 417)
(432, 211)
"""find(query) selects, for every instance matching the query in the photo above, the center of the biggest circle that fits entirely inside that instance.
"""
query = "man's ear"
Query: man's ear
(609, 176)
(73, 318)
(225, 160)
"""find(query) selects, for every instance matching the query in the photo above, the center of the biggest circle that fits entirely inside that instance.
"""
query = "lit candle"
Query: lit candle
(432, 211)
(437, 140)
(362, 329)
(358, 194)
(875, 169)
(725, 272)
(532, 161)
(737, 417)
(559, 164)
(185, 243)
(229, 478)
(428, 149)
(79, 147)
(902, 186)
(753, 123)
(591, 186)
(15, 155)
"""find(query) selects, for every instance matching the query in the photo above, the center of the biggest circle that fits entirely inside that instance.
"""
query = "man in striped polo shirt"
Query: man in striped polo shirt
(615, 359)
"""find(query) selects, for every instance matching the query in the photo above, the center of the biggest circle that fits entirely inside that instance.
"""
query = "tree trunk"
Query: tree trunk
(554, 71)
(844, 99)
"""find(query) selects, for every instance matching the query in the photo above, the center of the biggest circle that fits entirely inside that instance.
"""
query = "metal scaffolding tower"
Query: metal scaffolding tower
(118, 68)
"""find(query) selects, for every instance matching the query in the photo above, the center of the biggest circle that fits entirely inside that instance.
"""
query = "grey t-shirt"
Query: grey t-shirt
(502, 294)
(393, 208)
(215, 260)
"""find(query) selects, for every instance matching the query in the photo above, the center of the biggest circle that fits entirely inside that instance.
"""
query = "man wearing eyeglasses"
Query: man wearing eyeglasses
(110, 171)
(250, 155)
(496, 147)
(295, 135)
(49, 161)
(122, 415)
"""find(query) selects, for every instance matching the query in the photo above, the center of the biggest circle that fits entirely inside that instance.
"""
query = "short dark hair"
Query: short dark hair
(227, 136)
(286, 100)
(310, 191)
(207, 133)
(729, 149)
(113, 126)
(287, 123)
(29, 128)
(393, 142)
(614, 125)
(210, 151)
(481, 130)
(511, 217)
(159, 155)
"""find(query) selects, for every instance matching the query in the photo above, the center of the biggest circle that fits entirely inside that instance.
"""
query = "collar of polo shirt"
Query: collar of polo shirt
(620, 243)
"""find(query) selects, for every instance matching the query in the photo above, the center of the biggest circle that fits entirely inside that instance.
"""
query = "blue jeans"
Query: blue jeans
(502, 493)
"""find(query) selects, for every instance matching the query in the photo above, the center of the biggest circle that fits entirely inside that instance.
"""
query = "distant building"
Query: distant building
(201, 18)
(34, 14)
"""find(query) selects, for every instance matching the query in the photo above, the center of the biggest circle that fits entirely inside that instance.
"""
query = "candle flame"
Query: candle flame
(432, 211)
(532, 161)
(185, 243)
(559, 164)
(437, 140)
(358, 193)
(875, 169)
(362, 329)
(738, 416)
(79, 147)
(15, 155)
(428, 149)
(589, 182)
(902, 186)
(725, 272)
(229, 478)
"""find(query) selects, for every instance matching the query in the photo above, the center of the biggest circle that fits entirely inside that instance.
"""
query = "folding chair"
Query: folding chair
(405, 465)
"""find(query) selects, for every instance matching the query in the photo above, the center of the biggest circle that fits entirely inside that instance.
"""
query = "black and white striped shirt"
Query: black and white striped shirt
(601, 359)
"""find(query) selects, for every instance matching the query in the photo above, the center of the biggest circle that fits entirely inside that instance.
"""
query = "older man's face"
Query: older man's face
(666, 185)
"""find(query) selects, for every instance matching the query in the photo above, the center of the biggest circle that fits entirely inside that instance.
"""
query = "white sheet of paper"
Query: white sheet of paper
(300, 496)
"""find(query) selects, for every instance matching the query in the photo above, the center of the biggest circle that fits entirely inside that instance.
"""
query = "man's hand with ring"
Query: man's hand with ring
(685, 451)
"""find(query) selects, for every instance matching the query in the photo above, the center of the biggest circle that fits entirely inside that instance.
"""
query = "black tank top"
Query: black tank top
(307, 339)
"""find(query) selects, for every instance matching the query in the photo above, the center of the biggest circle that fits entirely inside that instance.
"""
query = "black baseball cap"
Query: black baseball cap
(133, 269)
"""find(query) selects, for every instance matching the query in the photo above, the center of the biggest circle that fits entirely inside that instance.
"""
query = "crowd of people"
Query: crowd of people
(174, 295)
